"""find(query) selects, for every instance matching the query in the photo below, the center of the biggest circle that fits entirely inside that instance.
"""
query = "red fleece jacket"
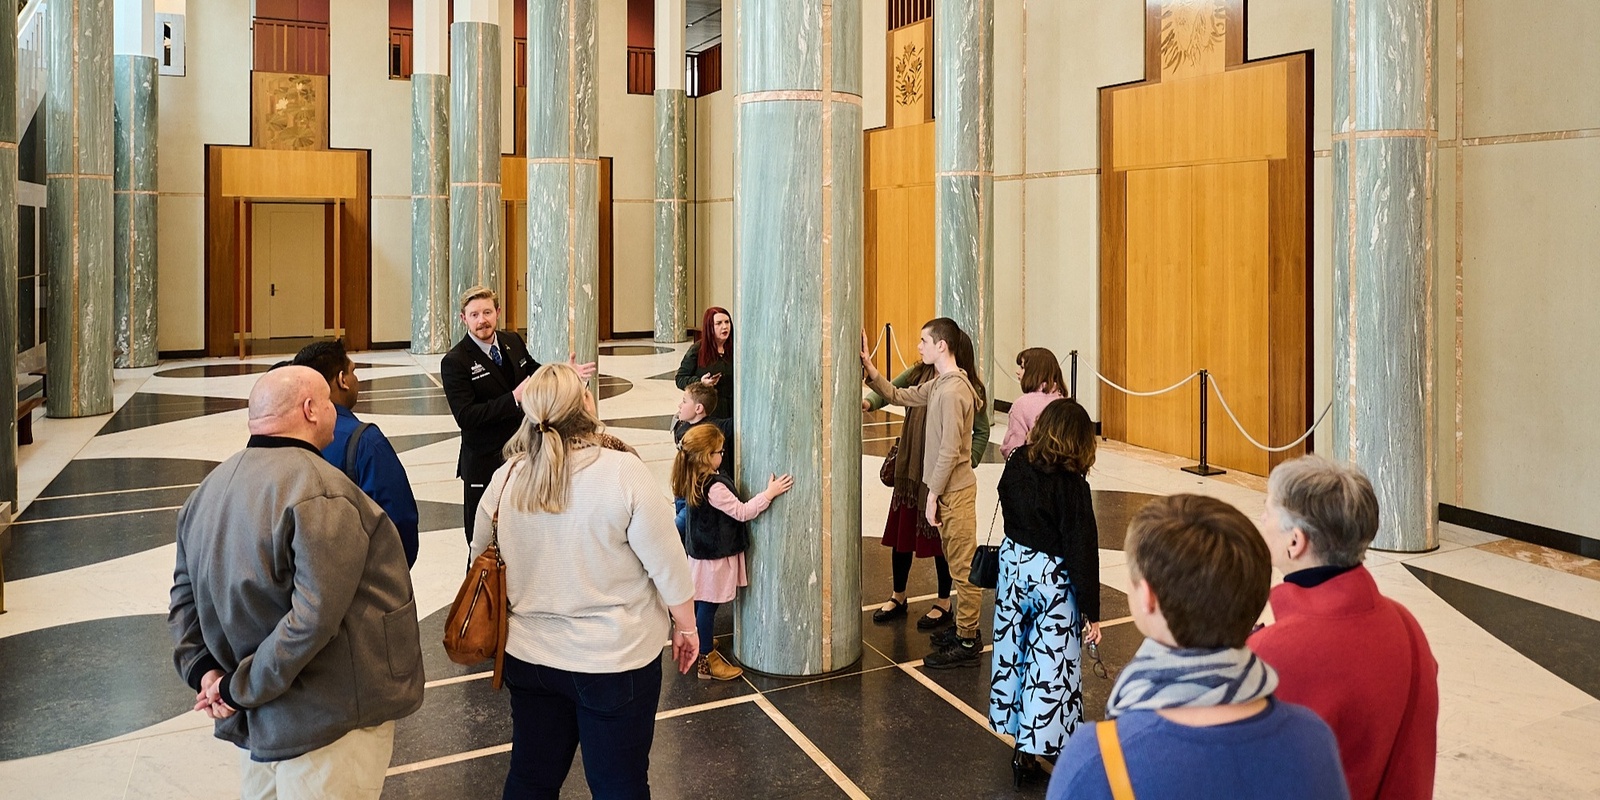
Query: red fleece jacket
(1360, 661)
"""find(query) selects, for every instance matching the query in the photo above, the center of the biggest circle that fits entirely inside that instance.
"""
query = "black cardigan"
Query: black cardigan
(1052, 511)
(689, 371)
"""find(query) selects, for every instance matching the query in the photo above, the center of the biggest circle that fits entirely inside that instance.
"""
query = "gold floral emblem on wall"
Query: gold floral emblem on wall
(294, 114)
(1191, 31)
(908, 76)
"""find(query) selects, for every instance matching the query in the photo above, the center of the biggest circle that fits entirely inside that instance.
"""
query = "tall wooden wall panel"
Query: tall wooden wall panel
(1205, 238)
(899, 209)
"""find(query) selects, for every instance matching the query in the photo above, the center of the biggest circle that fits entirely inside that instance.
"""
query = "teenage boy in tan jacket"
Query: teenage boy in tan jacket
(947, 471)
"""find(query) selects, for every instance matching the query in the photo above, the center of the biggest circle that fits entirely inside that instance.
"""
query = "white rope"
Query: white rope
(1218, 389)
(873, 356)
(895, 340)
(1179, 384)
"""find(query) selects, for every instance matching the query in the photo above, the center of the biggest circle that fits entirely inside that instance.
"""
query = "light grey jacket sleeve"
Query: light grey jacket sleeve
(330, 553)
(654, 536)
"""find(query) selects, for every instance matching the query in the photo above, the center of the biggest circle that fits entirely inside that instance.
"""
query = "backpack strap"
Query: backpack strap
(350, 452)
(1111, 754)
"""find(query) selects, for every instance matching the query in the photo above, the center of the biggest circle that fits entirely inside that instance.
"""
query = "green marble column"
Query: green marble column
(477, 219)
(134, 193)
(433, 309)
(79, 231)
(797, 317)
(8, 256)
(963, 96)
(673, 314)
(1383, 151)
(563, 181)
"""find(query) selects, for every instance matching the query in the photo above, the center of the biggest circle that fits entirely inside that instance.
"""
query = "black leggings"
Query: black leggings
(902, 572)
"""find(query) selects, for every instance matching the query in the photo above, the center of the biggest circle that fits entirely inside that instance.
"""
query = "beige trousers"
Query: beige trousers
(352, 767)
(958, 531)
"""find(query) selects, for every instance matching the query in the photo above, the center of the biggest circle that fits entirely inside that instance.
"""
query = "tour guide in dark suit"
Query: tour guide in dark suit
(483, 377)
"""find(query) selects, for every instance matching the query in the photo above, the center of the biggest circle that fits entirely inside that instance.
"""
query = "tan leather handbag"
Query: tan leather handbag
(475, 631)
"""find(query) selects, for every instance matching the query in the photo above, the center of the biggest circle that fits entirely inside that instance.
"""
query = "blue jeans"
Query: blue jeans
(680, 508)
(612, 715)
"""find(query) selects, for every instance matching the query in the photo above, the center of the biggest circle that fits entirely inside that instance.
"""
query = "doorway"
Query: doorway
(288, 269)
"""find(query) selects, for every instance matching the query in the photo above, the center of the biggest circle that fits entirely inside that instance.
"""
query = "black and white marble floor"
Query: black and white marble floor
(90, 706)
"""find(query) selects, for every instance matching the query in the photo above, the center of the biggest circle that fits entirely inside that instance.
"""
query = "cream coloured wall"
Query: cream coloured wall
(1528, 187)
(627, 135)
(207, 105)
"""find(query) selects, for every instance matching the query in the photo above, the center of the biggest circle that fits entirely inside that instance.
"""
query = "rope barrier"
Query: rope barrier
(1320, 417)
(1178, 385)
(895, 341)
(874, 354)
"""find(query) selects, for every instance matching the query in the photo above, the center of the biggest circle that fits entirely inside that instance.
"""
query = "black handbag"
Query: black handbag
(886, 472)
(985, 573)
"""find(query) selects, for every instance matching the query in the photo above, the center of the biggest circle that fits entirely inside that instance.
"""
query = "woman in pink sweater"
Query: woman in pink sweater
(1039, 372)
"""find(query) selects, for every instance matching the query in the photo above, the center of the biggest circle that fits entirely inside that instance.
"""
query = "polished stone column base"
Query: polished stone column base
(673, 316)
(135, 196)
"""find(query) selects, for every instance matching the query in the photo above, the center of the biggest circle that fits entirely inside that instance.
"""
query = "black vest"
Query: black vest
(713, 534)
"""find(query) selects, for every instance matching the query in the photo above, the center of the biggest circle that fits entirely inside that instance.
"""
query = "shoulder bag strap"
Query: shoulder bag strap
(350, 452)
(1111, 754)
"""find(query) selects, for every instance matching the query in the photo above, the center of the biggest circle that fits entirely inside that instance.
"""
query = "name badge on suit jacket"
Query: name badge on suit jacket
(478, 371)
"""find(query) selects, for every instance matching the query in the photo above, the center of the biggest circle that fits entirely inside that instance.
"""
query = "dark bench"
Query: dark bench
(25, 409)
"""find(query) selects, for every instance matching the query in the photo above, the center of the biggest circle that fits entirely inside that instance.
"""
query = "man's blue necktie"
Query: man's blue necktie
(494, 353)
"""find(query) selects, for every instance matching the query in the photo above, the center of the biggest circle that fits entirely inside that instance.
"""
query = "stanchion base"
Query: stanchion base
(1204, 470)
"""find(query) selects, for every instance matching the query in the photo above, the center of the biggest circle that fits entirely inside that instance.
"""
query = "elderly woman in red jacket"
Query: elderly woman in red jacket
(1355, 657)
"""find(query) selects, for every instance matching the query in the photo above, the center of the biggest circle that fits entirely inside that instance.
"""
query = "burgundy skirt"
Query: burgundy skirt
(900, 532)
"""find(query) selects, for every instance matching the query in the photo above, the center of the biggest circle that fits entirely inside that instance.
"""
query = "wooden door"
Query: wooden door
(288, 254)
(1160, 287)
(606, 250)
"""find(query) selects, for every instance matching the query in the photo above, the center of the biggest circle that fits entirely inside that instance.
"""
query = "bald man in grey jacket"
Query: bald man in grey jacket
(292, 608)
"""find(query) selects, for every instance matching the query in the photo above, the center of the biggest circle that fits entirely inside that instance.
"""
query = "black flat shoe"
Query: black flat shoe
(898, 611)
(935, 618)
(1024, 769)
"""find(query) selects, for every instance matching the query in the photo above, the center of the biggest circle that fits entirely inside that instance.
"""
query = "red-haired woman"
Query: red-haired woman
(710, 360)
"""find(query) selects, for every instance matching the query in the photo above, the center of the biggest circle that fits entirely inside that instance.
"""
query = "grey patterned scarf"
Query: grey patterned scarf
(1164, 677)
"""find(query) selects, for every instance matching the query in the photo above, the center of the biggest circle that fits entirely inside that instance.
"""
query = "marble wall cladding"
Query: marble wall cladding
(432, 307)
(134, 189)
(1382, 355)
(476, 213)
(563, 181)
(672, 311)
(964, 171)
(8, 252)
(843, 307)
(78, 238)
(780, 45)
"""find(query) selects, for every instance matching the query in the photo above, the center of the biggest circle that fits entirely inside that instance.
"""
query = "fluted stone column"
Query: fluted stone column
(673, 315)
(563, 181)
(963, 97)
(79, 232)
(797, 260)
(432, 307)
(8, 255)
(477, 220)
(1383, 149)
(134, 188)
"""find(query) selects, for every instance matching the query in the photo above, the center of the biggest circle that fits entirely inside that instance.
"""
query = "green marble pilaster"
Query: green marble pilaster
(563, 182)
(79, 165)
(432, 306)
(797, 260)
(134, 193)
(477, 219)
(8, 256)
(1383, 152)
(963, 95)
(673, 315)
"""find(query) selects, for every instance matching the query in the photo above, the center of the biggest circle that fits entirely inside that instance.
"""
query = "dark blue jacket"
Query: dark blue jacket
(380, 475)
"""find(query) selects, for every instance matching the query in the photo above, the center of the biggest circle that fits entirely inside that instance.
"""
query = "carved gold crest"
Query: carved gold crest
(908, 79)
(1190, 31)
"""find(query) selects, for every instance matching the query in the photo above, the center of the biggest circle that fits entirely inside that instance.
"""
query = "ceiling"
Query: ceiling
(704, 24)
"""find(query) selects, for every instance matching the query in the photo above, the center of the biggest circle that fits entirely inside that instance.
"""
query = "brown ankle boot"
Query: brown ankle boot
(713, 667)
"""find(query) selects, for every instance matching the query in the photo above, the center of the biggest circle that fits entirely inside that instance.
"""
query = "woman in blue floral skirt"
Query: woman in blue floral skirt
(1048, 598)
